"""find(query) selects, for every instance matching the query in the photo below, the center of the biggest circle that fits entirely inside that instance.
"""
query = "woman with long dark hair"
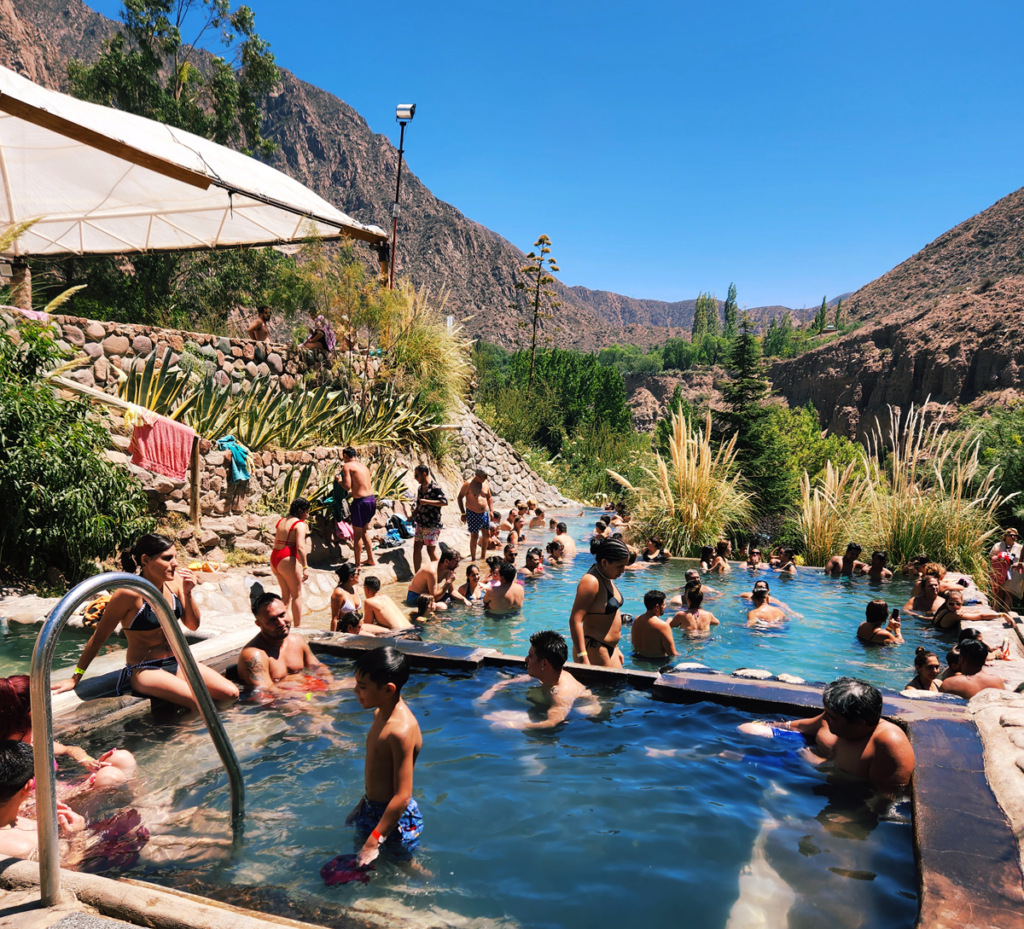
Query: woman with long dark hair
(595, 621)
(152, 670)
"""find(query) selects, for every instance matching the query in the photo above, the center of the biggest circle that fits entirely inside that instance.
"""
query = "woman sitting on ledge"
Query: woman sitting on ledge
(152, 669)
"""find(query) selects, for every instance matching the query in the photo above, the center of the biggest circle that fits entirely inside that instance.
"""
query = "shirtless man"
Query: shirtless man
(846, 565)
(651, 635)
(534, 566)
(562, 535)
(380, 609)
(508, 596)
(355, 477)
(755, 561)
(763, 612)
(258, 329)
(538, 519)
(853, 736)
(436, 580)
(19, 837)
(928, 601)
(475, 504)
(877, 570)
(558, 690)
(510, 553)
(972, 676)
(277, 659)
(693, 618)
(387, 816)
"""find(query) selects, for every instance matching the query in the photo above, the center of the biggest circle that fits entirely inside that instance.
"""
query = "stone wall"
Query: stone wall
(241, 515)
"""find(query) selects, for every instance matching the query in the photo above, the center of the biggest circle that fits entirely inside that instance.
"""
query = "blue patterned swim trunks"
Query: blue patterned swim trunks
(477, 522)
(402, 841)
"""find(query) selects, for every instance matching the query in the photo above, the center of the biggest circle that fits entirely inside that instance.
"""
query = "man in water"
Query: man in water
(355, 478)
(763, 612)
(19, 837)
(692, 575)
(534, 566)
(508, 596)
(387, 816)
(846, 565)
(558, 690)
(538, 519)
(475, 503)
(430, 498)
(562, 535)
(877, 570)
(928, 600)
(852, 735)
(972, 676)
(651, 636)
(510, 553)
(277, 659)
(435, 580)
(380, 609)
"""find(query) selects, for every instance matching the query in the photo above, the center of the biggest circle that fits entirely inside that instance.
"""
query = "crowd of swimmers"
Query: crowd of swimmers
(278, 662)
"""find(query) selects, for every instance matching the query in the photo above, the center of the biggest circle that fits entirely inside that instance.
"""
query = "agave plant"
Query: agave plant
(307, 417)
(212, 410)
(296, 483)
(388, 481)
(163, 389)
(256, 417)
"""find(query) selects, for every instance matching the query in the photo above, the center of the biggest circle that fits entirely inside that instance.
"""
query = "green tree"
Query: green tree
(699, 329)
(62, 504)
(677, 354)
(821, 317)
(711, 314)
(542, 300)
(778, 340)
(731, 312)
(839, 313)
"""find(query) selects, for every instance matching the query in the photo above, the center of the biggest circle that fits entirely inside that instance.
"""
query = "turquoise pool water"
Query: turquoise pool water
(18, 639)
(817, 643)
(648, 814)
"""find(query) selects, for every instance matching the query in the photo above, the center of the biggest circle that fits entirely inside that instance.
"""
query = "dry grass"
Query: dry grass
(695, 496)
(831, 513)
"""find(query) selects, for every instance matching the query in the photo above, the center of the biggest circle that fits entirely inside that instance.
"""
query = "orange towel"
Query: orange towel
(164, 447)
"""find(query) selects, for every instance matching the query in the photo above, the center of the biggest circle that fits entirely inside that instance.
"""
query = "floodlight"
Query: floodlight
(405, 111)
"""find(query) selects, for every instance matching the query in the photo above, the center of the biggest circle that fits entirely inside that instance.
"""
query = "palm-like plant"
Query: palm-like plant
(161, 389)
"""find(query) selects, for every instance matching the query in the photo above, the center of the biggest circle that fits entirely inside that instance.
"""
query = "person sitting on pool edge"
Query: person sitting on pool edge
(927, 665)
(852, 735)
(278, 660)
(928, 601)
(877, 570)
(387, 817)
(651, 636)
(559, 690)
(762, 610)
(871, 631)
(846, 565)
(19, 837)
(972, 676)
(694, 618)
(595, 619)
(508, 596)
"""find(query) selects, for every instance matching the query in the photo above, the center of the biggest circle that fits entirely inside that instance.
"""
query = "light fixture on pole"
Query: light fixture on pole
(404, 113)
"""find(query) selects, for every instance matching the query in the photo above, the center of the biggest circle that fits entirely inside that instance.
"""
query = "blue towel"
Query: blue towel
(239, 458)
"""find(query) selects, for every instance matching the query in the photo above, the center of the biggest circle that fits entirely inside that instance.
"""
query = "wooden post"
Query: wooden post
(193, 484)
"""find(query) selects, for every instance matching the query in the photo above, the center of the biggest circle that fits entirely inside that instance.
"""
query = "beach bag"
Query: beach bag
(343, 530)
(1001, 562)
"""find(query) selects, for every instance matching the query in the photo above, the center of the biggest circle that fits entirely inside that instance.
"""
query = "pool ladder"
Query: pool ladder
(42, 713)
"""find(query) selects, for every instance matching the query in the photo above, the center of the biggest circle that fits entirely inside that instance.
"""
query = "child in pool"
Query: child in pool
(387, 816)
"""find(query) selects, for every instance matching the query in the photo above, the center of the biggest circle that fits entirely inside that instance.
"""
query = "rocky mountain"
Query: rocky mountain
(328, 146)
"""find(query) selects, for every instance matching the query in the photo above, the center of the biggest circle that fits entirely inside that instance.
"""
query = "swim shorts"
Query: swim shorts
(788, 735)
(124, 679)
(412, 598)
(402, 841)
(428, 535)
(478, 522)
(363, 510)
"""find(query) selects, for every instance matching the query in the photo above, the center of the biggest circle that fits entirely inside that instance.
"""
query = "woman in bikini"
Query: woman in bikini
(344, 598)
(289, 555)
(473, 589)
(152, 670)
(595, 622)
(928, 668)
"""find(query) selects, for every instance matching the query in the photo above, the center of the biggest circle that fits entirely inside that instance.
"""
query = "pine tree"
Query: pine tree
(839, 313)
(700, 322)
(731, 314)
(711, 314)
(821, 317)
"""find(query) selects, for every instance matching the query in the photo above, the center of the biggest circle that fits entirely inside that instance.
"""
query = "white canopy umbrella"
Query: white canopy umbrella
(100, 181)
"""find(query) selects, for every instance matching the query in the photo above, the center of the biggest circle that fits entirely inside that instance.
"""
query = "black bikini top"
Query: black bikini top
(612, 604)
(145, 620)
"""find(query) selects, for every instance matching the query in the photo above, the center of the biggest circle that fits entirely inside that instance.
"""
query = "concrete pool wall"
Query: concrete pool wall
(967, 853)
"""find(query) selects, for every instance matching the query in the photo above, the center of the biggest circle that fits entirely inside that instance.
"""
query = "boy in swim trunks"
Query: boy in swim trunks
(387, 816)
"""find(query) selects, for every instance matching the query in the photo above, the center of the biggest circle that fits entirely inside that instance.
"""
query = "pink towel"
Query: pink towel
(164, 447)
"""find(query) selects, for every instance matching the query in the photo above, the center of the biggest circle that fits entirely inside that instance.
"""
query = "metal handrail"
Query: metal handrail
(42, 713)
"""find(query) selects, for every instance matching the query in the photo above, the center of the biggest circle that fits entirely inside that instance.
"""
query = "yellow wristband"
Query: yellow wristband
(80, 672)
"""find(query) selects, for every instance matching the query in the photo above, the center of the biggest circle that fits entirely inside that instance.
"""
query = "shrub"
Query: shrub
(62, 504)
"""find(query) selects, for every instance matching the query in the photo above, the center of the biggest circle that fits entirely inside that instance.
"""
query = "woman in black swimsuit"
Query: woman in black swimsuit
(152, 670)
(595, 622)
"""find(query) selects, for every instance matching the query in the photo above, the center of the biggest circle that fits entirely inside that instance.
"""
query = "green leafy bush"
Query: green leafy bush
(62, 504)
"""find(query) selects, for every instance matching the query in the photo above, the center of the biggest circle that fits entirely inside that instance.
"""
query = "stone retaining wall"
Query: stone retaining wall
(239, 515)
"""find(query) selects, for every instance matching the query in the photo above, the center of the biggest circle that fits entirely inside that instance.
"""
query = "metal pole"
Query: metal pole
(42, 713)
(394, 210)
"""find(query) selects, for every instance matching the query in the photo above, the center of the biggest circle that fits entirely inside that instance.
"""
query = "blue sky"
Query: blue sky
(798, 149)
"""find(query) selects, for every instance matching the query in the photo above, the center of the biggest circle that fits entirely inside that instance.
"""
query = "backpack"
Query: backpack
(402, 526)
